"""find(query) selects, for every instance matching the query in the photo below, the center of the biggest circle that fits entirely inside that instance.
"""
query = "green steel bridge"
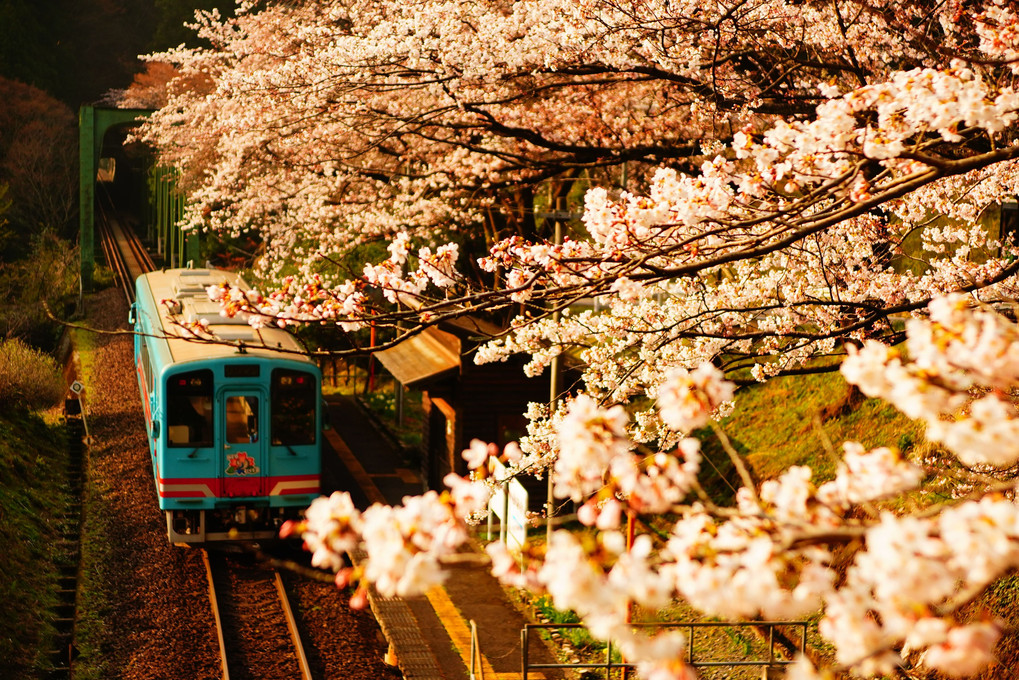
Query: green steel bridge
(164, 203)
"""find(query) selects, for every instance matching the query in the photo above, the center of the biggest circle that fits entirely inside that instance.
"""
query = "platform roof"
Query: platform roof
(426, 356)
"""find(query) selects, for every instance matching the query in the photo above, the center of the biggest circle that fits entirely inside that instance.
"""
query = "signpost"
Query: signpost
(509, 504)
(79, 390)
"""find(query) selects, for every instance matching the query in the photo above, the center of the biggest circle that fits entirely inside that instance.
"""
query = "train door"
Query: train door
(244, 447)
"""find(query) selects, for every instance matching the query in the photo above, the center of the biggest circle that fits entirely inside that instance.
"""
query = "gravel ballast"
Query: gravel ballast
(143, 610)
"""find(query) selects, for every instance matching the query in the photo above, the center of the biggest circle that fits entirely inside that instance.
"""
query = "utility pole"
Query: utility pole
(558, 216)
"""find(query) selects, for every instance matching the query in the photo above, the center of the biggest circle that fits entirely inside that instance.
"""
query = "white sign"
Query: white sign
(509, 504)
(77, 387)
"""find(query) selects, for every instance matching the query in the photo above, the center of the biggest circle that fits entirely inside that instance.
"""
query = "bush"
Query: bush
(28, 377)
(46, 277)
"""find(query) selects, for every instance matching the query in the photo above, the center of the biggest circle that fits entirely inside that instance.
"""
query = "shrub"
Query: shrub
(46, 277)
(28, 377)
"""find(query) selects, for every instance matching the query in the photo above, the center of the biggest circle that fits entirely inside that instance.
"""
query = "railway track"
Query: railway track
(256, 629)
(258, 634)
(124, 252)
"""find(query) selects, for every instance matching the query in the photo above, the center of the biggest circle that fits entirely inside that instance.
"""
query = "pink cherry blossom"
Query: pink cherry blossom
(762, 187)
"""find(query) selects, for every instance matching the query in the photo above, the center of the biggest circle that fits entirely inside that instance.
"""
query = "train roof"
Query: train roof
(187, 302)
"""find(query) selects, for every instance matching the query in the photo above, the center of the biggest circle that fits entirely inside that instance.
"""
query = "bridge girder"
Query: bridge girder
(93, 124)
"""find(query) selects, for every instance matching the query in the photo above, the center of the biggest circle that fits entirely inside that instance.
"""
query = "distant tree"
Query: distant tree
(96, 43)
(38, 160)
(174, 16)
(38, 175)
(77, 50)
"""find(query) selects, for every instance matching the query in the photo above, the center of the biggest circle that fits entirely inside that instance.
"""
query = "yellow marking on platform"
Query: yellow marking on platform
(459, 632)
(354, 467)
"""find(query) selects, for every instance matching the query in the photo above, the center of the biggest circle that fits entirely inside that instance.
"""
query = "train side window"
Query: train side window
(189, 409)
(294, 402)
(150, 382)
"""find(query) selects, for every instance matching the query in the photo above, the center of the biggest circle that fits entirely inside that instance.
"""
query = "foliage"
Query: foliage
(38, 161)
(26, 53)
(45, 278)
(28, 378)
(770, 187)
(33, 456)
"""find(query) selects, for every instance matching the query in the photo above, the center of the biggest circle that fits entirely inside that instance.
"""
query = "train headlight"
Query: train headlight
(183, 523)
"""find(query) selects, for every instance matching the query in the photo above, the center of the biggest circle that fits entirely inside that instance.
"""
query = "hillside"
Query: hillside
(803, 420)
(33, 457)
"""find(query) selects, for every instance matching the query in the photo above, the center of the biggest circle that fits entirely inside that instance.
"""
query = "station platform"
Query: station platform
(431, 635)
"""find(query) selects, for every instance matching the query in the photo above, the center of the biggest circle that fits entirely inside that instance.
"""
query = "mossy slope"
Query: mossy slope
(33, 461)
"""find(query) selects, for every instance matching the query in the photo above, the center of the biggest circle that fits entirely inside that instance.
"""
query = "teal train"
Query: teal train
(232, 412)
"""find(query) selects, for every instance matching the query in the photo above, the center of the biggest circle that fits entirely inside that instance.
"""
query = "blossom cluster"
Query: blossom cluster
(403, 545)
(746, 211)
(961, 364)
(775, 553)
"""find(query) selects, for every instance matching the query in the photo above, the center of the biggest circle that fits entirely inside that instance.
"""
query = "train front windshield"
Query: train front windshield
(189, 409)
(294, 401)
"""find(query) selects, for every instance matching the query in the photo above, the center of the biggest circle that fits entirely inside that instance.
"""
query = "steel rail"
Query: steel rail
(295, 635)
(214, 602)
(285, 607)
(123, 251)
(114, 258)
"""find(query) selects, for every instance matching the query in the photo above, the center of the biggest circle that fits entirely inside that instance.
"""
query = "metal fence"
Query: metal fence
(609, 665)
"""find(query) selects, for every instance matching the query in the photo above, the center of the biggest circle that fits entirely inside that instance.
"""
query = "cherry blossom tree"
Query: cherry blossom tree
(769, 183)
(390, 116)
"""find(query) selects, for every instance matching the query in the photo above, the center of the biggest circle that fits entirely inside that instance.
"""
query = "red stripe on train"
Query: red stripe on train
(204, 487)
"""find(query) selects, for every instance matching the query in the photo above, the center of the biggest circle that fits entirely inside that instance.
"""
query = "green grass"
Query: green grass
(410, 430)
(95, 547)
(577, 637)
(803, 420)
(33, 458)
(93, 604)
(85, 345)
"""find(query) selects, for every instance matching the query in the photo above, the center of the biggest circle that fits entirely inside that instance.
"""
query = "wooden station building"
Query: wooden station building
(462, 400)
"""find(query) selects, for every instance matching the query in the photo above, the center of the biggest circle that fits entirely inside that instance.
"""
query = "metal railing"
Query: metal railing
(476, 664)
(610, 665)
